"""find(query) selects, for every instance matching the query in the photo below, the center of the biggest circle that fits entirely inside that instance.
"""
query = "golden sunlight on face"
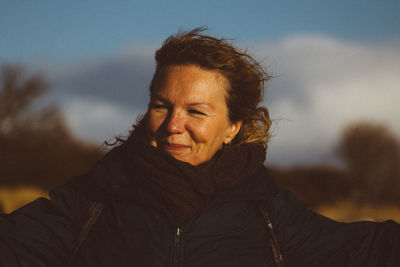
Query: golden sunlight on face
(188, 115)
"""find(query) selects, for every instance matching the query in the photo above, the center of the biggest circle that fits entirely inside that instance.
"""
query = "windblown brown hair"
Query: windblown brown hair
(245, 75)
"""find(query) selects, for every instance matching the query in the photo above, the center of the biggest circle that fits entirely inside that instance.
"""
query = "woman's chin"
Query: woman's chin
(184, 157)
(180, 155)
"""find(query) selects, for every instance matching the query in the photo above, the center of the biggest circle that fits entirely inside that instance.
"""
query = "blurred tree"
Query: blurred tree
(36, 147)
(317, 185)
(16, 96)
(371, 153)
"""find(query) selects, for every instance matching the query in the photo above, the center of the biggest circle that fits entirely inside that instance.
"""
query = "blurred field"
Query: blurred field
(12, 198)
(348, 211)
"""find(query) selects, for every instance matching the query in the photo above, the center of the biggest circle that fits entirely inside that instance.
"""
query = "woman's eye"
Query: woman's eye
(193, 111)
(159, 106)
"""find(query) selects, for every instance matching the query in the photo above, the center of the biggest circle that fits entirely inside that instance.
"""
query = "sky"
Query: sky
(334, 62)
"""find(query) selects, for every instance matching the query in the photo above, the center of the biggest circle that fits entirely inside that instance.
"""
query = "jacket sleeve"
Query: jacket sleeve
(309, 239)
(42, 233)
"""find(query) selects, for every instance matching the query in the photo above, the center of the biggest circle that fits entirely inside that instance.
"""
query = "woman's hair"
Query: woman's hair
(245, 75)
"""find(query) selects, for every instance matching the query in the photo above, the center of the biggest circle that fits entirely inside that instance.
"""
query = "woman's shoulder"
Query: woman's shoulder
(43, 229)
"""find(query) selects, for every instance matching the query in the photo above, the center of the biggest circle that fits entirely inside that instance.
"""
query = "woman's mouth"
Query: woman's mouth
(175, 147)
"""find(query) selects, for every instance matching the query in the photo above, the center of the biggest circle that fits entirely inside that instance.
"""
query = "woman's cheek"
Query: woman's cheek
(155, 121)
(198, 132)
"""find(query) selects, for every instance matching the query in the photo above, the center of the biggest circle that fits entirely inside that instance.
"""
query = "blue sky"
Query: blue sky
(65, 30)
(336, 62)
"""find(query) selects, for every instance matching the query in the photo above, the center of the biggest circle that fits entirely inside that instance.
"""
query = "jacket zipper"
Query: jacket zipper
(177, 252)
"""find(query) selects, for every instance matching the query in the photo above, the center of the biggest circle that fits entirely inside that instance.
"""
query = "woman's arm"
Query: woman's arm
(309, 239)
(42, 232)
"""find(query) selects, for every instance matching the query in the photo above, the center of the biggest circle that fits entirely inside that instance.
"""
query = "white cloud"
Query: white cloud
(324, 84)
(98, 121)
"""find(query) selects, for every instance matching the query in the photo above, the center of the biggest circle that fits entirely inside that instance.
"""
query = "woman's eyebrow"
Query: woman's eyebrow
(157, 97)
(199, 104)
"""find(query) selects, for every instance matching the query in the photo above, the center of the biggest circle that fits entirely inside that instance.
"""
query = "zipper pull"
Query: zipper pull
(178, 237)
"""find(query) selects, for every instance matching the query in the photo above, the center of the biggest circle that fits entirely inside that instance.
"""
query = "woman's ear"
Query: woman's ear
(233, 131)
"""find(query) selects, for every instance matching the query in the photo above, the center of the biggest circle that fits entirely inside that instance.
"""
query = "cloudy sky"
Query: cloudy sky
(335, 63)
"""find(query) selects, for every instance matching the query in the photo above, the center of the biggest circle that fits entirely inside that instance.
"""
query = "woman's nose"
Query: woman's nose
(175, 123)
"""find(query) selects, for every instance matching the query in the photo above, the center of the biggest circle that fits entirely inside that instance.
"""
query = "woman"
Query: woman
(188, 187)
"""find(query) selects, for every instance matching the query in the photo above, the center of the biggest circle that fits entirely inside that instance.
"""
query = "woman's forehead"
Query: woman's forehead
(190, 86)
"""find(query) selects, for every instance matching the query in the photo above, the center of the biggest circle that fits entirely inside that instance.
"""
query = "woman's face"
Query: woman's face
(188, 115)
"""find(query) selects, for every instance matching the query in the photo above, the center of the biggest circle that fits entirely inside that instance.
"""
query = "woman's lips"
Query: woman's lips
(175, 147)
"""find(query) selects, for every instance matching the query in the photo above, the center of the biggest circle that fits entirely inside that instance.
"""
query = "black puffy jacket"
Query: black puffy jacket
(228, 231)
